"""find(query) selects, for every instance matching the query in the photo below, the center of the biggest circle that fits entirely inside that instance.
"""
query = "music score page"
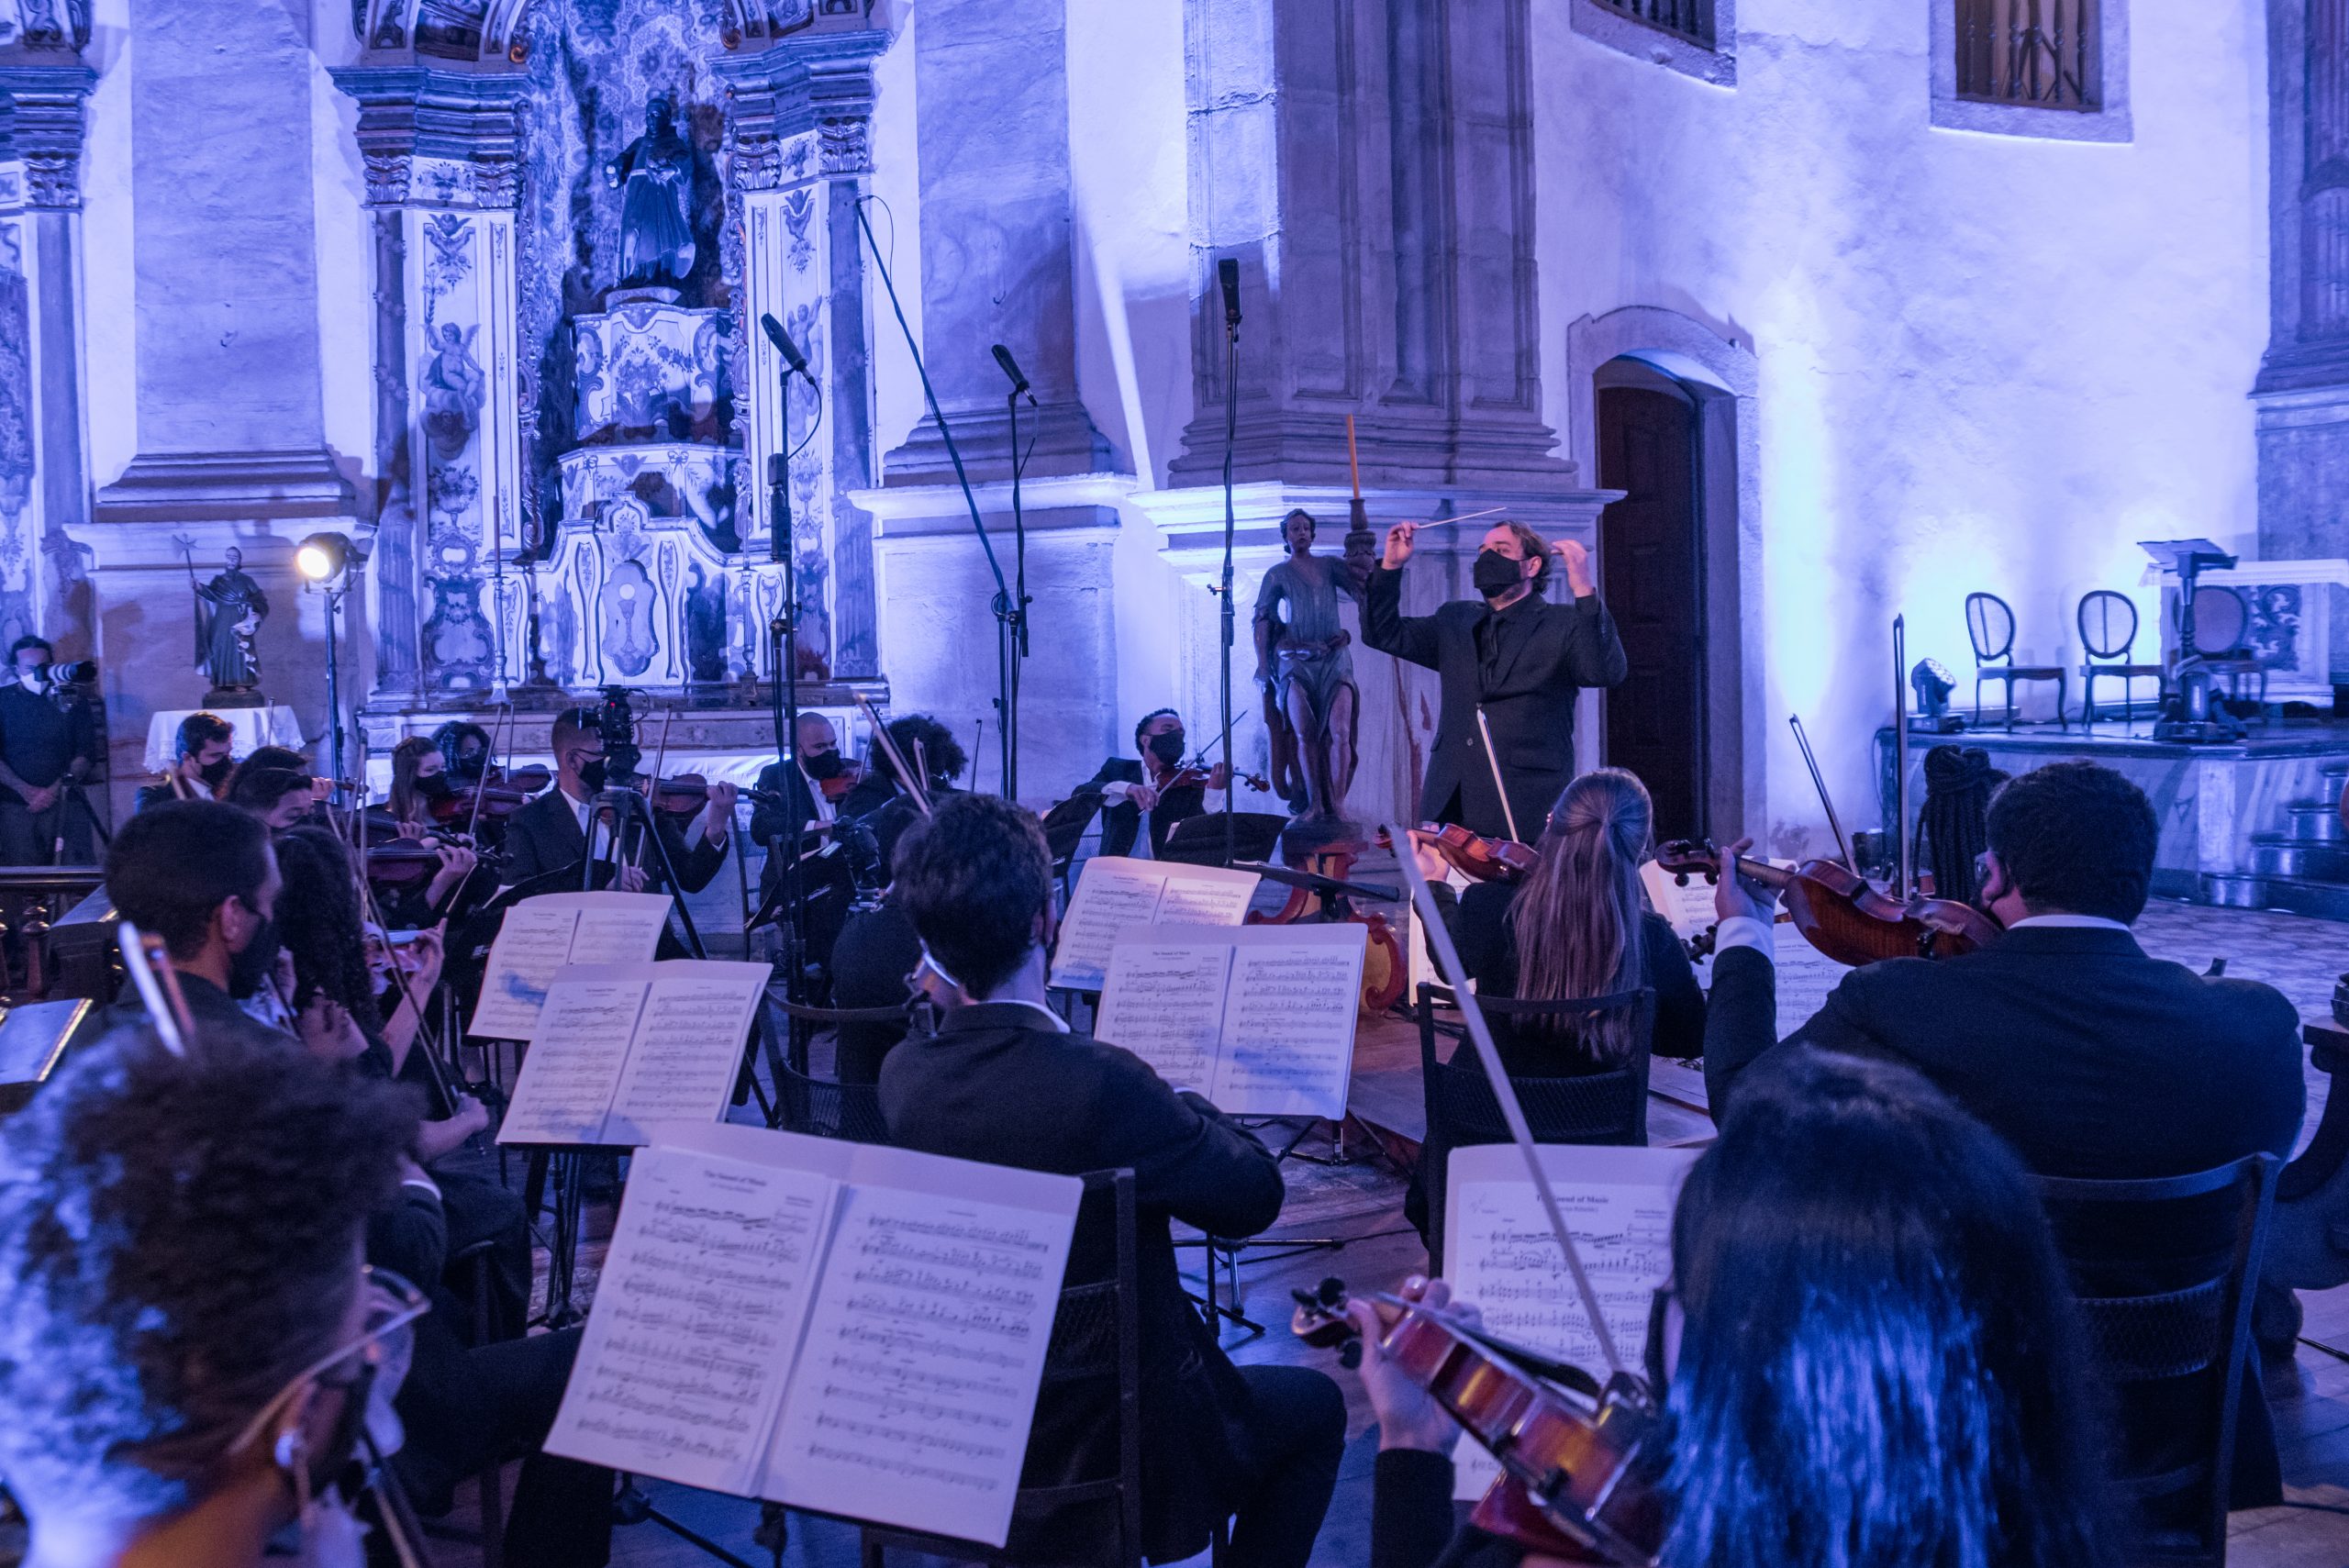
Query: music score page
(539, 935)
(1115, 894)
(624, 1045)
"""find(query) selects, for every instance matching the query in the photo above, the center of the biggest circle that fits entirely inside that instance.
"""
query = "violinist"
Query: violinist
(281, 797)
(806, 808)
(1517, 659)
(420, 775)
(1155, 783)
(552, 832)
(1863, 1290)
(881, 803)
(464, 750)
(200, 764)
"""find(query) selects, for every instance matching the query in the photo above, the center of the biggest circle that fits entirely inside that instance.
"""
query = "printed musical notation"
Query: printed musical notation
(850, 1329)
(1500, 1253)
(623, 1046)
(1116, 896)
(1258, 1018)
(539, 935)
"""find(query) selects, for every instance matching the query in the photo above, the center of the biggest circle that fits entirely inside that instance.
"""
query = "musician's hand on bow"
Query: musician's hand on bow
(457, 863)
(1143, 795)
(1219, 776)
(425, 955)
(1432, 865)
(1736, 895)
(470, 1116)
(1398, 545)
(409, 831)
(717, 815)
(1408, 1416)
(629, 879)
(1575, 558)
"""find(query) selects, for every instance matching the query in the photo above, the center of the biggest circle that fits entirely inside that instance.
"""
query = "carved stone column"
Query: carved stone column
(799, 157)
(44, 474)
(442, 178)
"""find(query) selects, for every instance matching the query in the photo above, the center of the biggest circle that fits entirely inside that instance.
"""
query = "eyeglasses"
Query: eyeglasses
(382, 1348)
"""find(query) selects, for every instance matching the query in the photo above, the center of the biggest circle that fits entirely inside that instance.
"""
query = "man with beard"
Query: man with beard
(202, 766)
(200, 875)
(1129, 787)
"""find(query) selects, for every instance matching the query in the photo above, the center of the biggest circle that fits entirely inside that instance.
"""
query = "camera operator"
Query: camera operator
(47, 746)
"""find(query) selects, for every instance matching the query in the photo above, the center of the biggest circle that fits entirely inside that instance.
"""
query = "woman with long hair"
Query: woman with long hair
(418, 775)
(1870, 1356)
(1576, 926)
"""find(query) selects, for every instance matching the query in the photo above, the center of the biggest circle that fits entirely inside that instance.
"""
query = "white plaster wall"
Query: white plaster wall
(109, 309)
(897, 226)
(345, 286)
(1985, 362)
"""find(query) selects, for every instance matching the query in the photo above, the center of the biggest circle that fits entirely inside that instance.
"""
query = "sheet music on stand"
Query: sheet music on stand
(539, 935)
(842, 1327)
(1501, 1256)
(624, 1045)
(1260, 1019)
(1115, 893)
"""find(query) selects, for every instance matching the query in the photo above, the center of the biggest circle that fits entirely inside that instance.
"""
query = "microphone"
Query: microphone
(1011, 368)
(1228, 271)
(785, 346)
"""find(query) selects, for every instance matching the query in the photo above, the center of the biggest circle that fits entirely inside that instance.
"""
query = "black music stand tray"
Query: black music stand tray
(2187, 717)
(1199, 841)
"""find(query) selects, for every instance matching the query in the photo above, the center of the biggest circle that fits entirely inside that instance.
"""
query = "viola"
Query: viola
(686, 793)
(1202, 776)
(1476, 856)
(403, 862)
(1581, 1461)
(852, 775)
(1844, 915)
(495, 799)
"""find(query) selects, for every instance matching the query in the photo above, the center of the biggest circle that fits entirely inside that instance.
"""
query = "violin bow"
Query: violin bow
(1900, 754)
(1447, 958)
(888, 745)
(159, 986)
(481, 785)
(1509, 815)
(1819, 783)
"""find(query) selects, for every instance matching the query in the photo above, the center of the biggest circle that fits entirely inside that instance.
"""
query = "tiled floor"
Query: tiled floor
(2301, 957)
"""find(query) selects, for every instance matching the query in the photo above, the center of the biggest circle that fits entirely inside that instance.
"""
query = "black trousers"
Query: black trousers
(1297, 1435)
(29, 839)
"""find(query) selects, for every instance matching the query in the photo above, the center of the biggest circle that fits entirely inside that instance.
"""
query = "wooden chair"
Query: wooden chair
(2221, 623)
(1065, 827)
(1095, 1341)
(1609, 1107)
(2170, 1337)
(1991, 627)
(2107, 623)
(819, 1107)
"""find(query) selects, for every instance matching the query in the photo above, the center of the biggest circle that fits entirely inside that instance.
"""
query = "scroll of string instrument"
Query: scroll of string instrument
(1581, 1456)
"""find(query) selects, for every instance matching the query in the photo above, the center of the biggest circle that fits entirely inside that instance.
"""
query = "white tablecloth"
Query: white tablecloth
(253, 726)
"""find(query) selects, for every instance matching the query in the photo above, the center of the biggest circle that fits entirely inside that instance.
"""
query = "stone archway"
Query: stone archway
(1724, 377)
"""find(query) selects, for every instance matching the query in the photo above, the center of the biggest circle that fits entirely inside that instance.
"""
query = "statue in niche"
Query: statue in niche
(705, 626)
(655, 175)
(229, 612)
(1308, 676)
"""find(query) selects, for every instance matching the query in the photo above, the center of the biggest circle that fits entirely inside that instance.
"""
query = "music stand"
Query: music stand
(2188, 717)
(1199, 841)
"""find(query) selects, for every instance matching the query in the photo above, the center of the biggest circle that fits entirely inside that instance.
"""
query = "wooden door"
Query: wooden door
(1652, 557)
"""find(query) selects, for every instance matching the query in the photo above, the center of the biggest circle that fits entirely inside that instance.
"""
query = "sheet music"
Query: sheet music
(688, 1046)
(563, 1094)
(1805, 976)
(917, 1383)
(539, 935)
(1499, 1252)
(1115, 893)
(696, 1318)
(1164, 1002)
(1288, 1022)
(1688, 907)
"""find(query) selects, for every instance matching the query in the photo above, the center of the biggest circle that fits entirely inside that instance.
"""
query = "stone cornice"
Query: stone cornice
(40, 126)
(447, 137)
(815, 81)
(251, 486)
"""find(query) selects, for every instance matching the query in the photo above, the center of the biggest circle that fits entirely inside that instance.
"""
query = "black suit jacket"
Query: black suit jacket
(1554, 651)
(1121, 823)
(544, 835)
(998, 1084)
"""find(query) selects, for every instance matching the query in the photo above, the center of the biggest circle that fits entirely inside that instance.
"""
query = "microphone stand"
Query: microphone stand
(1007, 684)
(783, 642)
(1230, 525)
(1015, 625)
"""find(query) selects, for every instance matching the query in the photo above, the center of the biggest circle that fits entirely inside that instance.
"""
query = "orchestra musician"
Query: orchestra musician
(805, 806)
(200, 764)
(551, 834)
(1007, 1083)
(281, 797)
(1516, 657)
(464, 749)
(1868, 1352)
(1152, 782)
(201, 875)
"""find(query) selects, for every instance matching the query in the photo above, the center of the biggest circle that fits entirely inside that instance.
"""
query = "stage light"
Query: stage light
(322, 558)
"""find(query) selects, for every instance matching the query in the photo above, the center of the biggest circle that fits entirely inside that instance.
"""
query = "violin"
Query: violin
(1581, 1461)
(1203, 776)
(852, 775)
(1845, 915)
(686, 793)
(494, 798)
(403, 862)
(1474, 855)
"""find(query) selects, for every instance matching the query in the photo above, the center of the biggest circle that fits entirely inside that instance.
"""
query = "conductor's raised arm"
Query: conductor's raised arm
(1383, 625)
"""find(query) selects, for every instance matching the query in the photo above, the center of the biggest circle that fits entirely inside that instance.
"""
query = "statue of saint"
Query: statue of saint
(1308, 676)
(229, 612)
(656, 173)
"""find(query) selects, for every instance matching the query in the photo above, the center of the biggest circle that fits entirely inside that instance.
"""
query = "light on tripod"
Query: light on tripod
(322, 558)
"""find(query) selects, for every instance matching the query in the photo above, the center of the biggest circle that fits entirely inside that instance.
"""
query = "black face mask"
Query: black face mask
(1167, 747)
(434, 787)
(1496, 573)
(591, 774)
(214, 774)
(249, 969)
(823, 764)
(468, 764)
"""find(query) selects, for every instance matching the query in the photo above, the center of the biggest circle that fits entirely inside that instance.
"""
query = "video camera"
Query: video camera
(56, 677)
(616, 726)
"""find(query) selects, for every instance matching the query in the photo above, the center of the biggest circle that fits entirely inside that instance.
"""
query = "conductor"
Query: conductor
(1519, 658)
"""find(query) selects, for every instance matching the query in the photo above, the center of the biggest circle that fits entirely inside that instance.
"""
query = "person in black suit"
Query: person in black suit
(2091, 1058)
(1520, 659)
(201, 875)
(1006, 1082)
(1128, 786)
(200, 765)
(549, 833)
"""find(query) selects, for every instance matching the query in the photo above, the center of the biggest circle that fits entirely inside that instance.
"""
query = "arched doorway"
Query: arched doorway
(1653, 544)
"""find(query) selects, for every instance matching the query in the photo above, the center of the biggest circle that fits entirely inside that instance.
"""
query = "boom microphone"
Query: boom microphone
(785, 346)
(1011, 368)
(1228, 270)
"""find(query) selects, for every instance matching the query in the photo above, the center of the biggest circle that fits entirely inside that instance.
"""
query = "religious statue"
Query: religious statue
(228, 613)
(1308, 676)
(655, 172)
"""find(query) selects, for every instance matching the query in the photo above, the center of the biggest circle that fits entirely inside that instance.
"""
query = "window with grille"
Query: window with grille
(2029, 53)
(1690, 19)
